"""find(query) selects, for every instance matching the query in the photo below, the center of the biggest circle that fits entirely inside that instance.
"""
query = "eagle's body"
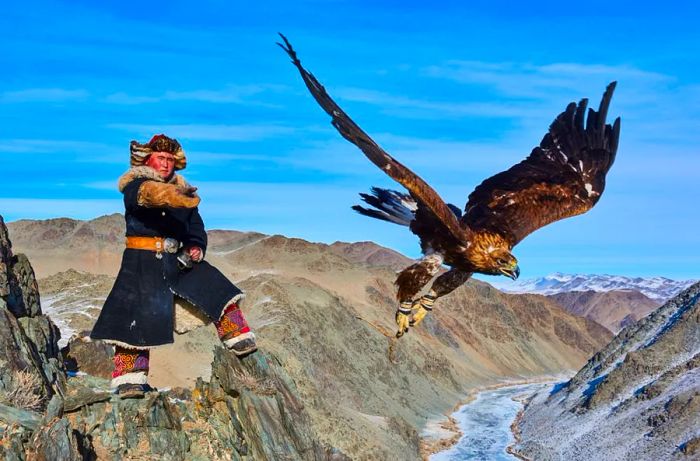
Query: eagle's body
(562, 177)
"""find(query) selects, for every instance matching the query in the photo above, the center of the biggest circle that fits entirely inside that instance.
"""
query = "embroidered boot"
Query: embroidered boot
(234, 332)
(130, 373)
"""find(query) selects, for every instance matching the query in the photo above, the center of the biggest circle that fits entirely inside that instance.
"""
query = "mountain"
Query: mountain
(656, 288)
(324, 314)
(638, 398)
(612, 309)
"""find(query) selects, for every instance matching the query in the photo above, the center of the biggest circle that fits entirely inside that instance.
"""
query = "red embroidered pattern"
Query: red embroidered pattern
(129, 361)
(232, 323)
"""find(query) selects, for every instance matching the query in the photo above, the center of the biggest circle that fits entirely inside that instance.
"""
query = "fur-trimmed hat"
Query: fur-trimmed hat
(158, 143)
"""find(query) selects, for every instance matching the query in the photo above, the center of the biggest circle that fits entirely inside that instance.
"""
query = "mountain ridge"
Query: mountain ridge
(656, 288)
(613, 309)
(637, 398)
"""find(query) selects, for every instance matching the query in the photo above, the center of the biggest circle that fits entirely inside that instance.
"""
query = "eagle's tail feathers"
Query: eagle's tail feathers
(391, 206)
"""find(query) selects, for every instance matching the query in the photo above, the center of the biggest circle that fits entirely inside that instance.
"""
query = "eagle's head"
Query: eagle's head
(490, 254)
(505, 263)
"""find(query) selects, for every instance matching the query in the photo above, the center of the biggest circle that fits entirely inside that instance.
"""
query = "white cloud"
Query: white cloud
(427, 109)
(245, 132)
(43, 95)
(525, 80)
(36, 208)
(48, 146)
(231, 94)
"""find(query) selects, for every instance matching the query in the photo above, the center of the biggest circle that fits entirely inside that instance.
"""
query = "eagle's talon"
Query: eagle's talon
(403, 318)
(421, 308)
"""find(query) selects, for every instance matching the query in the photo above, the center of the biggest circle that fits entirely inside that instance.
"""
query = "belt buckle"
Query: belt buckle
(170, 245)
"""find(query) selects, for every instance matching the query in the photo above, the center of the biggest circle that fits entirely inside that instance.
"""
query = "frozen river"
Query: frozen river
(485, 423)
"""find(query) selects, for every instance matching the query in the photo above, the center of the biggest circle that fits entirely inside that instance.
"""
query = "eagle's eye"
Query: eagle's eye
(501, 262)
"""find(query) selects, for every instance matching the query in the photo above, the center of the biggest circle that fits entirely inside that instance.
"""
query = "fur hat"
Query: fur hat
(158, 143)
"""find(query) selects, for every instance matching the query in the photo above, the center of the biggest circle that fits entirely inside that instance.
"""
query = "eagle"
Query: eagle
(562, 177)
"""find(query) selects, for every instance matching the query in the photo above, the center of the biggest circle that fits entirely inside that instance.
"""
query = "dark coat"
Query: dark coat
(139, 310)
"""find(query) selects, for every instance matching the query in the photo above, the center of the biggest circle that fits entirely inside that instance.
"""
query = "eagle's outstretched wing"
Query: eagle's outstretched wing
(564, 176)
(418, 188)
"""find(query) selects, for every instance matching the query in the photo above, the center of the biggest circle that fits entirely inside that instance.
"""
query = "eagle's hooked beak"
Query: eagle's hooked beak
(513, 272)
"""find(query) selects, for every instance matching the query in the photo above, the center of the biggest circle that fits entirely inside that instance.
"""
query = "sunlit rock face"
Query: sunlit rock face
(638, 398)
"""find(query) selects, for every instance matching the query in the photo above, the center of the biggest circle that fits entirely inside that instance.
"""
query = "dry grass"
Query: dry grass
(25, 392)
(260, 386)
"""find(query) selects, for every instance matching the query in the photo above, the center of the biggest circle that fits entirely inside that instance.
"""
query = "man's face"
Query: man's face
(162, 162)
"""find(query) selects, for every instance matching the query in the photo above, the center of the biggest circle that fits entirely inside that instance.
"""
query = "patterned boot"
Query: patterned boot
(234, 332)
(130, 373)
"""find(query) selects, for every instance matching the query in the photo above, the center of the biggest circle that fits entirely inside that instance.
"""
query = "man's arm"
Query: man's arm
(154, 194)
(159, 194)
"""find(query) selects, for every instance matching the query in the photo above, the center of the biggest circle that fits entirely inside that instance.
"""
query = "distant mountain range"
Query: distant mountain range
(657, 288)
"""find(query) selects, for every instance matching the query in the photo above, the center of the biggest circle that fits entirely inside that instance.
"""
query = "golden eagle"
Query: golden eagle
(564, 176)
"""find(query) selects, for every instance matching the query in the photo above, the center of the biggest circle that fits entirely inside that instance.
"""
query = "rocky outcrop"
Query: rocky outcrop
(248, 410)
(32, 377)
(638, 398)
(612, 309)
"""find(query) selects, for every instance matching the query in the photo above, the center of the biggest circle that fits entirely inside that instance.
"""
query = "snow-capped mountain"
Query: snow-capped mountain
(657, 288)
(638, 398)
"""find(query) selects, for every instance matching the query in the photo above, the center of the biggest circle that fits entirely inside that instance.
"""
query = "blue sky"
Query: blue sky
(457, 92)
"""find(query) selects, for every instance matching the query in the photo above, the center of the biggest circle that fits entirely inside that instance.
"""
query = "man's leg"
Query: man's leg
(130, 374)
(234, 332)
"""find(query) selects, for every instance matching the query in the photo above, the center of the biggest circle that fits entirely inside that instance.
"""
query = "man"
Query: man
(164, 282)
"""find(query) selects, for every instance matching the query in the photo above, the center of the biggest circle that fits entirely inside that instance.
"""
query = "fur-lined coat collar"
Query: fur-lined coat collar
(136, 172)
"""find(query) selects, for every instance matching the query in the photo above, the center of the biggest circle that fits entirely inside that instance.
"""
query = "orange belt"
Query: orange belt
(147, 243)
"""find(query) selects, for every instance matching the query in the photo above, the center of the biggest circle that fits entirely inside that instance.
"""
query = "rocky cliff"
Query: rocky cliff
(636, 399)
(324, 314)
(247, 410)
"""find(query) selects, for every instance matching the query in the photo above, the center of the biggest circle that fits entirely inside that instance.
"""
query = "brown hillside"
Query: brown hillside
(325, 312)
(612, 309)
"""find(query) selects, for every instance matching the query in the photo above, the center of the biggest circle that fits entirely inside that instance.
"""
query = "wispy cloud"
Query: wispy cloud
(429, 109)
(19, 208)
(245, 132)
(48, 146)
(525, 80)
(43, 95)
(231, 94)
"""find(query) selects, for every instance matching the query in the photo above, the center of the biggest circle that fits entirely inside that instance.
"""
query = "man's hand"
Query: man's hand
(195, 253)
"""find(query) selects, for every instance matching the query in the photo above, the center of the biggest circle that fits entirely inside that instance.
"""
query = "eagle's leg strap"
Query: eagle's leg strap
(421, 307)
(443, 285)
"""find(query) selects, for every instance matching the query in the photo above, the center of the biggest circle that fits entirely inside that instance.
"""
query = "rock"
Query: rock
(88, 356)
(57, 441)
(11, 415)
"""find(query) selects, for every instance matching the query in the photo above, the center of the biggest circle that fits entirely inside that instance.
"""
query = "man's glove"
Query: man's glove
(159, 194)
